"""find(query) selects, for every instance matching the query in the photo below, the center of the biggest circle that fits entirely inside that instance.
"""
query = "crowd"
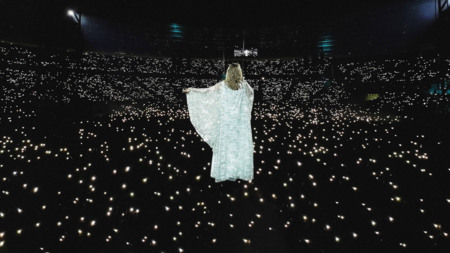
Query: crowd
(97, 154)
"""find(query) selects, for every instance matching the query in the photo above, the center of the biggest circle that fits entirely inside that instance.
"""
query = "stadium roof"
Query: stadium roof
(332, 27)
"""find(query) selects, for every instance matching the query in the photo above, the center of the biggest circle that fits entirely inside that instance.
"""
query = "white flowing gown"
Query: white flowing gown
(222, 118)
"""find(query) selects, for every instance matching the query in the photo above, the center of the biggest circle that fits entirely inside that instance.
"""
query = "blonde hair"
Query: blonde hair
(234, 76)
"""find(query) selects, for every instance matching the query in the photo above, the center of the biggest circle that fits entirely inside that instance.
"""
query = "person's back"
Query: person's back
(233, 150)
(221, 114)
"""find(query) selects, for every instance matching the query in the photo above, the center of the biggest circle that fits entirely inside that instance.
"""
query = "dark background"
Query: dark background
(214, 28)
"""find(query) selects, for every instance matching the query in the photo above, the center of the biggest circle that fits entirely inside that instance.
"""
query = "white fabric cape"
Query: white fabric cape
(221, 116)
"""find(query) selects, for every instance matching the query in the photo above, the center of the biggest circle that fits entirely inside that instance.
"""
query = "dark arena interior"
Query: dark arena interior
(350, 125)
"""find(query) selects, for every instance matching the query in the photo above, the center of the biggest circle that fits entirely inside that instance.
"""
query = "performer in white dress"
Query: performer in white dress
(221, 115)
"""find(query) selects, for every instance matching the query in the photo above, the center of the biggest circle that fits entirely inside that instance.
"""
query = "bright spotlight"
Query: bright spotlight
(76, 15)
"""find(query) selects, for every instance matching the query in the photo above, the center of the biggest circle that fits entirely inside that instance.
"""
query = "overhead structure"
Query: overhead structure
(442, 6)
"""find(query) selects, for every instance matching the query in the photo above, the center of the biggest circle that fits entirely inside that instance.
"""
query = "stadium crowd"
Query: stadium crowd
(97, 154)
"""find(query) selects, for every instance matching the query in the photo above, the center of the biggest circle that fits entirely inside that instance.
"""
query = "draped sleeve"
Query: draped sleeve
(204, 111)
(250, 95)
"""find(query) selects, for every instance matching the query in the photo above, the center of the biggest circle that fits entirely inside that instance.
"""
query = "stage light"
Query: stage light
(76, 16)
(245, 52)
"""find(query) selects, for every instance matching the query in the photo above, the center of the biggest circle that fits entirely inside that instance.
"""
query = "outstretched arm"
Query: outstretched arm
(211, 88)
